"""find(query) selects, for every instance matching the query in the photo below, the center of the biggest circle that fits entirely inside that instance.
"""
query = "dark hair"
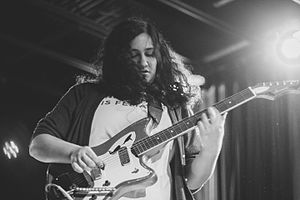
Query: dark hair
(120, 74)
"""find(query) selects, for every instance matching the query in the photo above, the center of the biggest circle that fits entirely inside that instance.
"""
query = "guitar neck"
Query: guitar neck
(187, 124)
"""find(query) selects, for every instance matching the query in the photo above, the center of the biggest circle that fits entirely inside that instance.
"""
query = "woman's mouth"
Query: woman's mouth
(144, 71)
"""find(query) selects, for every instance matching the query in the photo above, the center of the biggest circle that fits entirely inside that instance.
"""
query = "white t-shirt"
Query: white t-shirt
(111, 117)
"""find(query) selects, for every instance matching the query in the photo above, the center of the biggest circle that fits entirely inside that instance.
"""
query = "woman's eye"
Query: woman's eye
(149, 54)
(133, 55)
(136, 55)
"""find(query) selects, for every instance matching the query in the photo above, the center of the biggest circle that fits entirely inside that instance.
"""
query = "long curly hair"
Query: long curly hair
(172, 84)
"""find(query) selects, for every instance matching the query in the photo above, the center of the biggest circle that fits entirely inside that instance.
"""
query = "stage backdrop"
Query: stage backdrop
(260, 158)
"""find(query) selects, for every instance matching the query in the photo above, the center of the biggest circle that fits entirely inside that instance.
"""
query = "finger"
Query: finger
(214, 115)
(204, 120)
(201, 127)
(88, 161)
(200, 132)
(91, 153)
(212, 112)
(224, 115)
(76, 167)
(82, 164)
(95, 158)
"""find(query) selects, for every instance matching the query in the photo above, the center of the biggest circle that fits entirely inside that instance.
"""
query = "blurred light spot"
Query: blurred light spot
(296, 35)
(297, 1)
(10, 149)
(221, 3)
(288, 47)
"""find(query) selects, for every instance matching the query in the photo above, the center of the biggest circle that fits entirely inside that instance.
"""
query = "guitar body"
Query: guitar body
(122, 174)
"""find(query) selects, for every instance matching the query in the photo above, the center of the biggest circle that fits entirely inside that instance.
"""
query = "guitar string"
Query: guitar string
(121, 152)
(111, 160)
(225, 103)
(145, 143)
(148, 140)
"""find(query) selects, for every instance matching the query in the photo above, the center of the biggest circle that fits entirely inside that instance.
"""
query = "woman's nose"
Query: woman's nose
(143, 61)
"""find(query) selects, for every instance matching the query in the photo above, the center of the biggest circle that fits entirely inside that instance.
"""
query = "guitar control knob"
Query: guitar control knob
(106, 183)
(93, 197)
(73, 186)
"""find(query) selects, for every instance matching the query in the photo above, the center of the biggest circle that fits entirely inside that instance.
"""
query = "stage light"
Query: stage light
(10, 149)
(291, 48)
(288, 47)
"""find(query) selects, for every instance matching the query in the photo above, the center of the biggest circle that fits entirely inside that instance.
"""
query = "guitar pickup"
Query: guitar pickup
(124, 156)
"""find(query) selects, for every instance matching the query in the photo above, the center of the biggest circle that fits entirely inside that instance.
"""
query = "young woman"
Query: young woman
(140, 73)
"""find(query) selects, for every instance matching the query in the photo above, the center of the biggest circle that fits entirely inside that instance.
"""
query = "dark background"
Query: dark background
(46, 44)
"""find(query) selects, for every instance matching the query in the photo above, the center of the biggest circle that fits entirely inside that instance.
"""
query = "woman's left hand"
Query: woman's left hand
(211, 130)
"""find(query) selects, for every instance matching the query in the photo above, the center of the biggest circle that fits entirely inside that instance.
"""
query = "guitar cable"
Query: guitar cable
(64, 192)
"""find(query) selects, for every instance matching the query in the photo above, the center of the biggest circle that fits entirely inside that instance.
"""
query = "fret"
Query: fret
(182, 126)
(140, 148)
(185, 126)
(147, 144)
(156, 140)
(188, 123)
(135, 150)
(153, 141)
(169, 133)
(178, 129)
(195, 118)
(163, 135)
(173, 131)
(143, 146)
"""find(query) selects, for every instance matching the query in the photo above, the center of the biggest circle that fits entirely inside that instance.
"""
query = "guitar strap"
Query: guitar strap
(176, 115)
(154, 111)
(181, 190)
(178, 162)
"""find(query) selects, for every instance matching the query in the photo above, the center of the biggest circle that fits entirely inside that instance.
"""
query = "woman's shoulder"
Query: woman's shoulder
(85, 85)
(87, 88)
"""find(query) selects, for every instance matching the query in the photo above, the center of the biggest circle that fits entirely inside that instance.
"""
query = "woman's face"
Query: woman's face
(142, 53)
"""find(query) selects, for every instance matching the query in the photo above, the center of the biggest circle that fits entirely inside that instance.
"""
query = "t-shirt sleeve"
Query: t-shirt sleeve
(57, 122)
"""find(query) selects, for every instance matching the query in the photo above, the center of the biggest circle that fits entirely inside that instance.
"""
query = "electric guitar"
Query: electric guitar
(123, 154)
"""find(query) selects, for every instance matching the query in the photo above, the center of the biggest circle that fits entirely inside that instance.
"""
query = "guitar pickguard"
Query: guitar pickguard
(123, 171)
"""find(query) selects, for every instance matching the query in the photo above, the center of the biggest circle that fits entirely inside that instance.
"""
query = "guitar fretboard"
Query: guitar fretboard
(189, 123)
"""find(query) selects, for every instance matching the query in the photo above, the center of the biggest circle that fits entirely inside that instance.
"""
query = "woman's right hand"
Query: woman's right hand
(84, 158)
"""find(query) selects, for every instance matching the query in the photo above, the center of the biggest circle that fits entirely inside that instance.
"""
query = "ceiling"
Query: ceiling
(46, 43)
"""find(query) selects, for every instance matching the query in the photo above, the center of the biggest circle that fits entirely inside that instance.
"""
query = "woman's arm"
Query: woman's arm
(49, 143)
(50, 149)
(211, 133)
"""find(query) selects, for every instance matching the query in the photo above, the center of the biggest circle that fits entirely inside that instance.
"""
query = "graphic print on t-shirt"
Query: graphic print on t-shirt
(111, 117)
